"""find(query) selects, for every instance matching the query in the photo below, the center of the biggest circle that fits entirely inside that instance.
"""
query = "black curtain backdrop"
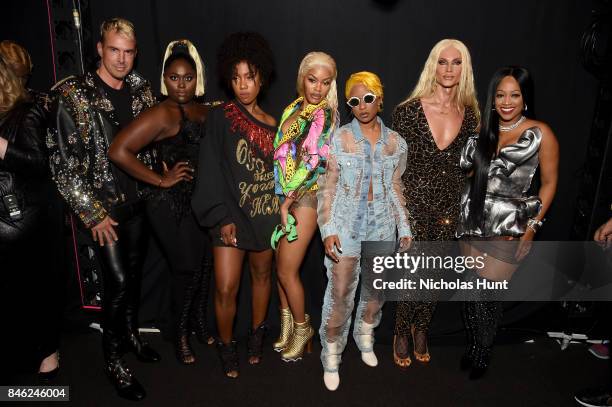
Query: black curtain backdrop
(390, 38)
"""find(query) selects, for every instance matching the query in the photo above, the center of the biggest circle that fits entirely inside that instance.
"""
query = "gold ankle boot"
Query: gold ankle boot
(300, 340)
(286, 330)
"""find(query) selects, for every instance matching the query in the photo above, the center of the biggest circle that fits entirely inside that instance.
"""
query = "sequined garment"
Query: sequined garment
(433, 178)
(300, 153)
(433, 181)
(507, 207)
(235, 179)
(81, 125)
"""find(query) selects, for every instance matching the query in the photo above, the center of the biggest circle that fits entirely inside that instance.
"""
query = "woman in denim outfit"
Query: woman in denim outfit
(360, 198)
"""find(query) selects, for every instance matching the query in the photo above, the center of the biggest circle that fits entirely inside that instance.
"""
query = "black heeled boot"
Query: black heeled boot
(256, 341)
(124, 381)
(198, 320)
(182, 347)
(228, 353)
(466, 360)
(143, 351)
(487, 315)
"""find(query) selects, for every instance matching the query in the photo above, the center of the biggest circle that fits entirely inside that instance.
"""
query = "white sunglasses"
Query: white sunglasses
(368, 99)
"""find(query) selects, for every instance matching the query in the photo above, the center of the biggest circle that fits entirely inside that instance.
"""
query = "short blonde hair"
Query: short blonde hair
(12, 89)
(466, 91)
(312, 60)
(368, 79)
(16, 57)
(118, 25)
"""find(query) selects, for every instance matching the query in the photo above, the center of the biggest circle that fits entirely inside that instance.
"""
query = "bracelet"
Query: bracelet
(534, 224)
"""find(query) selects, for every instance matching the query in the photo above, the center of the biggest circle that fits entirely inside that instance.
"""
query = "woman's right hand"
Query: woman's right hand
(329, 243)
(228, 235)
(180, 172)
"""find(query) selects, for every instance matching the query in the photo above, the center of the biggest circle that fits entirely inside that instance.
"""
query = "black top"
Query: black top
(235, 182)
(122, 115)
(184, 146)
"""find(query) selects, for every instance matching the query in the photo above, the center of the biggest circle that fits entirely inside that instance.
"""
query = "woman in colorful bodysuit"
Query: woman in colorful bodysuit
(301, 147)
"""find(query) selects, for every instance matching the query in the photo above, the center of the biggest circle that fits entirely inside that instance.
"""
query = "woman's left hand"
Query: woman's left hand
(284, 211)
(405, 243)
(524, 245)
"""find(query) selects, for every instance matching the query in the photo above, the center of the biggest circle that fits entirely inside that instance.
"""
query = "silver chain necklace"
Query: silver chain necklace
(512, 126)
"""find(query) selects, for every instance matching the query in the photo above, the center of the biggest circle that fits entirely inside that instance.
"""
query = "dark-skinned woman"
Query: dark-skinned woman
(175, 126)
(234, 196)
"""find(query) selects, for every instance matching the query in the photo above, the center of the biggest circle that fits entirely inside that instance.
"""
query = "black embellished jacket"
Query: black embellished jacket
(81, 126)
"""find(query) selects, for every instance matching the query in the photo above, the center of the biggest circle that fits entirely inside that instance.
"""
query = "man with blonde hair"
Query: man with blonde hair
(87, 113)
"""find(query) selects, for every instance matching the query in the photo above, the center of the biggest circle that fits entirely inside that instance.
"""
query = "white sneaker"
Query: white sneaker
(331, 380)
(369, 358)
(367, 341)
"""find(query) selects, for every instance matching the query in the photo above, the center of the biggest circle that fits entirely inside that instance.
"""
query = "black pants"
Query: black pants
(185, 246)
(122, 273)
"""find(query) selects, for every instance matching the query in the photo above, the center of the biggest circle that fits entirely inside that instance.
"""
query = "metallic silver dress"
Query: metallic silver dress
(507, 207)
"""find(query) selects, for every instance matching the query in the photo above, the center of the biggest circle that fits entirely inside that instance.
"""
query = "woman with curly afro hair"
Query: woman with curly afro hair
(234, 195)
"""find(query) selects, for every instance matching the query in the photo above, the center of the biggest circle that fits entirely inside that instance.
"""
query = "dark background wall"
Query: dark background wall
(391, 38)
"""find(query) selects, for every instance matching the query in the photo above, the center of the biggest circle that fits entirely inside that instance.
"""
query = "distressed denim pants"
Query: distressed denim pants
(339, 300)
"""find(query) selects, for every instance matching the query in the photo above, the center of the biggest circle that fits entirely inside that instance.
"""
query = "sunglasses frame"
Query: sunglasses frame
(348, 102)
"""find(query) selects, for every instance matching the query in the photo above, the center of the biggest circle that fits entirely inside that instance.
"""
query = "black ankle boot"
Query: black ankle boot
(143, 351)
(124, 381)
(228, 353)
(256, 341)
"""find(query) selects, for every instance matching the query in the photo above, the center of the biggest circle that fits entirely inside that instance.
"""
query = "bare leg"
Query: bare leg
(260, 265)
(228, 268)
(289, 260)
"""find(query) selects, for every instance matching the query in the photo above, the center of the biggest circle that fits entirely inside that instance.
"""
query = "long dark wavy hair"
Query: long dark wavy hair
(488, 139)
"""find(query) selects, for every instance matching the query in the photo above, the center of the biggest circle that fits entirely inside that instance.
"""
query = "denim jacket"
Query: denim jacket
(343, 189)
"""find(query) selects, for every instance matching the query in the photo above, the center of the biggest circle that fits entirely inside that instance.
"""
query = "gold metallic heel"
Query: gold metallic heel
(286, 330)
(300, 340)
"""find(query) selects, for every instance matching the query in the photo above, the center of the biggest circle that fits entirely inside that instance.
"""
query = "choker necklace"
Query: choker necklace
(512, 126)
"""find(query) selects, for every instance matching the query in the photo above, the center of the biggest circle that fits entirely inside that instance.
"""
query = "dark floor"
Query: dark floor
(529, 374)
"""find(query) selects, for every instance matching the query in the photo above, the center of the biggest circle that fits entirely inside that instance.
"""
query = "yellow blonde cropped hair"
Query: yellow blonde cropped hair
(312, 60)
(368, 79)
(118, 25)
(466, 91)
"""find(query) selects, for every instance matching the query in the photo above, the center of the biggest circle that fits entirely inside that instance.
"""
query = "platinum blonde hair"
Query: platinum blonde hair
(466, 91)
(193, 53)
(316, 59)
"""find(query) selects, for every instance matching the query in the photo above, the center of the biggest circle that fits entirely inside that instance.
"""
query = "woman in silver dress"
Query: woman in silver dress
(498, 217)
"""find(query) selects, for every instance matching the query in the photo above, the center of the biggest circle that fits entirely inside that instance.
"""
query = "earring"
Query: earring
(525, 107)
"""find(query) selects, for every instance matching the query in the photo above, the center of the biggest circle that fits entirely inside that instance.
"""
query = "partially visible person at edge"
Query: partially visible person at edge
(86, 113)
(498, 216)
(360, 198)
(234, 194)
(46, 286)
(175, 127)
(600, 396)
(301, 147)
(436, 121)
(24, 177)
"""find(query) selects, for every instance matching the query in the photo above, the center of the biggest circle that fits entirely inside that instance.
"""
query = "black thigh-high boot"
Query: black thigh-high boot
(482, 314)
(199, 310)
(184, 352)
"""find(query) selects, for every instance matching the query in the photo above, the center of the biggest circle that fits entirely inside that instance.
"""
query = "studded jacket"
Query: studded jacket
(81, 126)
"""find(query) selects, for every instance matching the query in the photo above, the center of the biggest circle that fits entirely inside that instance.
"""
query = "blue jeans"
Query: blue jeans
(339, 300)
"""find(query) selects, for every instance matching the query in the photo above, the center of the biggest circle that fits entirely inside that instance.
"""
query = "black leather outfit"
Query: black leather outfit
(82, 126)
